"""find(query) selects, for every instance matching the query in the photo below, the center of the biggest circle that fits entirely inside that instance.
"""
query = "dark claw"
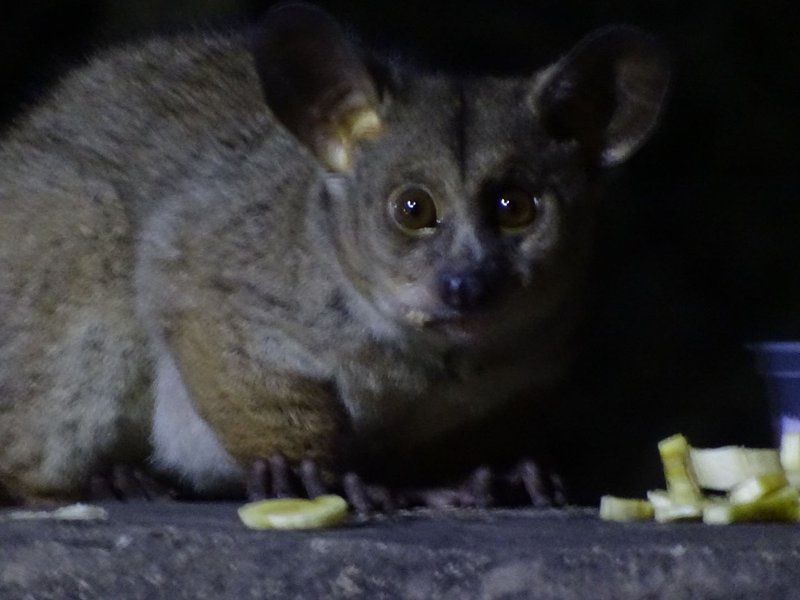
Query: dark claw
(559, 492)
(258, 481)
(279, 469)
(479, 486)
(543, 487)
(535, 485)
(366, 499)
(269, 478)
(309, 477)
(356, 493)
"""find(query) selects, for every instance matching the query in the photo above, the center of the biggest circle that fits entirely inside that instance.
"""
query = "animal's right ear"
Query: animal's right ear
(607, 93)
(315, 82)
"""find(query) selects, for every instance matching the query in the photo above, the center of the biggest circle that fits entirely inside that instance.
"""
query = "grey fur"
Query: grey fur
(154, 212)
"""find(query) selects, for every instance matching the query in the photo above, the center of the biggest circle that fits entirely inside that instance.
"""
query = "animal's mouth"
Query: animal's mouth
(423, 311)
(469, 323)
(422, 318)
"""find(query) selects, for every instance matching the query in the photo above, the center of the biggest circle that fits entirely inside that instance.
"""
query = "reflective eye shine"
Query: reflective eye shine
(515, 209)
(412, 208)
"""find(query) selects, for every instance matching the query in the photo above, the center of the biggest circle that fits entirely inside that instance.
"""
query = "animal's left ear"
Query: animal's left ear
(606, 94)
(315, 81)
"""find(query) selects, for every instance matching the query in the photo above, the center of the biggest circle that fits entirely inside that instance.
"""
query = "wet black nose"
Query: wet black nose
(464, 290)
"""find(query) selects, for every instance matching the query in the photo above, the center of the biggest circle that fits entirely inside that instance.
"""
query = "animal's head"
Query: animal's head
(453, 201)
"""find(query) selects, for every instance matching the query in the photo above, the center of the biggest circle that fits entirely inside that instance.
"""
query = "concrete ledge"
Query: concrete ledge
(202, 551)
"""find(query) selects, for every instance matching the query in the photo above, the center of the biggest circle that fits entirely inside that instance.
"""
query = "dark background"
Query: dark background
(700, 248)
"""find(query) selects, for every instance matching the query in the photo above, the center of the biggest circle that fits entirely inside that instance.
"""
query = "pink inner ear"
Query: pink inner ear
(640, 91)
(607, 93)
(314, 80)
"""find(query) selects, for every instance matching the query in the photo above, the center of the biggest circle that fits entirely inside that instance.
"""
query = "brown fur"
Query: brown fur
(256, 412)
(155, 210)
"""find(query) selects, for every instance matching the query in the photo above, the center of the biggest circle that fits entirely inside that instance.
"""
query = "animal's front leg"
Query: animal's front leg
(273, 478)
(127, 482)
(258, 417)
(543, 486)
(528, 483)
(276, 478)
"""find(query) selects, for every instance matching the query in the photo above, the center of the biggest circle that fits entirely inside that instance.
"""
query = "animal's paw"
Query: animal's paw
(367, 499)
(276, 478)
(476, 491)
(533, 483)
(526, 483)
(126, 483)
(7, 498)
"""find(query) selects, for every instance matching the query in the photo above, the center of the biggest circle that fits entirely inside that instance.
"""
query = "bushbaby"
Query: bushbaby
(276, 248)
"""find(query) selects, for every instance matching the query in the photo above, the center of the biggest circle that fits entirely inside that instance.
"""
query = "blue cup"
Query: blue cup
(779, 365)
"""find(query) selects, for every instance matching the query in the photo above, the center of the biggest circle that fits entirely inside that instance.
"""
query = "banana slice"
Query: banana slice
(667, 509)
(613, 508)
(780, 505)
(681, 483)
(722, 469)
(790, 456)
(294, 513)
(756, 488)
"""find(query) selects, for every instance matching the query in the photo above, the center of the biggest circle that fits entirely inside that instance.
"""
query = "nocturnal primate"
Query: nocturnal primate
(249, 255)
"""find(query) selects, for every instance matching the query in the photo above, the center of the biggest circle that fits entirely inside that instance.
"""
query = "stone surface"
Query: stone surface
(202, 551)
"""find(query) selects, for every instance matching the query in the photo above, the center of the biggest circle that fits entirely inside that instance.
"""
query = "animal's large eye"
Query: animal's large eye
(413, 209)
(515, 209)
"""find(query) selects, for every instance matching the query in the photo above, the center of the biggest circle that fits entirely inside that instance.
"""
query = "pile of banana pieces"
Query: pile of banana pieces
(718, 486)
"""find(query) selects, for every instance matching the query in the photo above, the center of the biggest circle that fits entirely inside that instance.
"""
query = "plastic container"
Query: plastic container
(779, 364)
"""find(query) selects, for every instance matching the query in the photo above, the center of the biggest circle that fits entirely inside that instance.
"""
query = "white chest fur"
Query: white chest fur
(184, 443)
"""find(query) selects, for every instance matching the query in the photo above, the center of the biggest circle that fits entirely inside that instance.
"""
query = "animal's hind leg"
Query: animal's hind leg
(73, 372)
(71, 405)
